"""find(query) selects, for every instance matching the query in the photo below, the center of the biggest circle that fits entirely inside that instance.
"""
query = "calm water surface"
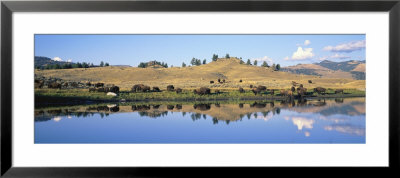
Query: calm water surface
(312, 121)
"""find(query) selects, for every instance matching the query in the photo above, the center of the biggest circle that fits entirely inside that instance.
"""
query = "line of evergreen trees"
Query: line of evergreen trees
(68, 65)
(152, 63)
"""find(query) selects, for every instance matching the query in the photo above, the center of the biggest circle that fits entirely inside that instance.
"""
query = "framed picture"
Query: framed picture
(136, 88)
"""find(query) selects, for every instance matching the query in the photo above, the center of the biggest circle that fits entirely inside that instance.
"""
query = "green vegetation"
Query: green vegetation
(195, 62)
(76, 95)
(215, 57)
(151, 64)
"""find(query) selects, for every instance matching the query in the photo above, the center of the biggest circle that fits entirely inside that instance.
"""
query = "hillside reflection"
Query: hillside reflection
(341, 116)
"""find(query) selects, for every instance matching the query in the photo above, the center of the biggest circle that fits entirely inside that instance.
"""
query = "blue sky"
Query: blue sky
(175, 49)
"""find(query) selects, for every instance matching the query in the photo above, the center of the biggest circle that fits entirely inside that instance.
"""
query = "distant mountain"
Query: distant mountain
(328, 69)
(41, 61)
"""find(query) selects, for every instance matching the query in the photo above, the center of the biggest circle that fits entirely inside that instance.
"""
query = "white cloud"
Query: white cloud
(286, 58)
(335, 56)
(302, 54)
(307, 42)
(69, 60)
(338, 56)
(269, 60)
(347, 47)
(57, 59)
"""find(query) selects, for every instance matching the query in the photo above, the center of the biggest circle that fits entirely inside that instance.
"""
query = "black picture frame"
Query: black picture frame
(8, 7)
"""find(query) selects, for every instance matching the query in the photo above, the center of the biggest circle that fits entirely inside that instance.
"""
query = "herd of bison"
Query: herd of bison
(101, 87)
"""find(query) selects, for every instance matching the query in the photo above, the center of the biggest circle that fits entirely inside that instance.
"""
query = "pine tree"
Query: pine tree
(183, 64)
(255, 62)
(248, 62)
(101, 64)
(215, 57)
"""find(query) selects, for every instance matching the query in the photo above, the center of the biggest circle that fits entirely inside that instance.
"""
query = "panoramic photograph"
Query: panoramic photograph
(200, 89)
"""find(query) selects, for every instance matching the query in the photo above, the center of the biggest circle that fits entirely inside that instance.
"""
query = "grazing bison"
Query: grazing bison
(223, 81)
(301, 91)
(241, 90)
(102, 89)
(140, 88)
(255, 91)
(170, 107)
(170, 88)
(178, 106)
(114, 89)
(92, 89)
(301, 85)
(202, 91)
(339, 91)
(97, 85)
(156, 89)
(262, 88)
(286, 92)
(219, 80)
(309, 81)
(54, 85)
(294, 83)
(240, 80)
(178, 90)
(211, 82)
(88, 84)
(39, 83)
(251, 86)
(320, 90)
(292, 89)
(74, 84)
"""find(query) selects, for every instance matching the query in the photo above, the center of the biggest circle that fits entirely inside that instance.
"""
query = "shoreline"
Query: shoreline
(43, 101)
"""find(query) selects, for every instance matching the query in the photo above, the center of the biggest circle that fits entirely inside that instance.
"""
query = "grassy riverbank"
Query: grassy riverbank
(43, 96)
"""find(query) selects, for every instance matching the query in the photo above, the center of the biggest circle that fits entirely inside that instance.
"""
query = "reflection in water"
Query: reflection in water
(347, 129)
(310, 121)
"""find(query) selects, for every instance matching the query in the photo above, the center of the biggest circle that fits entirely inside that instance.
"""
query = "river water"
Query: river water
(313, 121)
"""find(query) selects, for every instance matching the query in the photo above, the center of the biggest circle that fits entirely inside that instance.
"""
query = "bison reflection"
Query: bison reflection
(111, 108)
(202, 107)
(141, 107)
(153, 114)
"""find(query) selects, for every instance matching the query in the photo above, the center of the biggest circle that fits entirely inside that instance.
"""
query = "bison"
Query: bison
(92, 89)
(140, 88)
(251, 86)
(156, 89)
(178, 90)
(211, 82)
(202, 91)
(301, 91)
(54, 85)
(39, 83)
(170, 88)
(339, 91)
(240, 80)
(309, 81)
(114, 89)
(292, 89)
(320, 90)
(241, 90)
(262, 88)
(97, 85)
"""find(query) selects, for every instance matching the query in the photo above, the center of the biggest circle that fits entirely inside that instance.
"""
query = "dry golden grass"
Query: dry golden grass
(197, 76)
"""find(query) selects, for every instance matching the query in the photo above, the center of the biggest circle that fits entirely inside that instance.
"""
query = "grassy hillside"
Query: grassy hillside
(328, 69)
(193, 77)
